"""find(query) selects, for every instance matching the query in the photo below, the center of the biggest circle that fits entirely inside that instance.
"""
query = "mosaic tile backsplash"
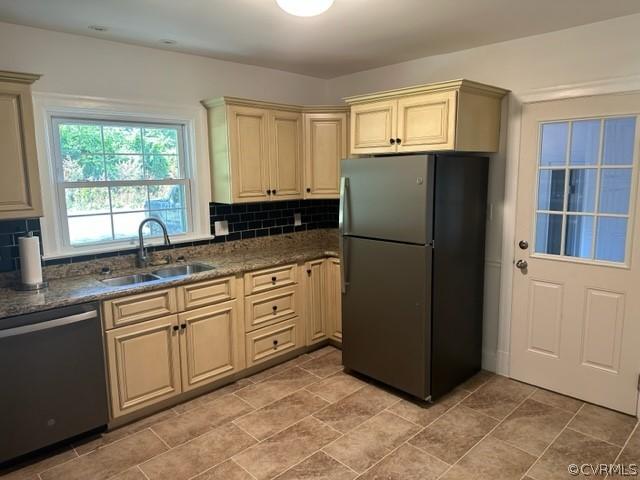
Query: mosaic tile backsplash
(250, 220)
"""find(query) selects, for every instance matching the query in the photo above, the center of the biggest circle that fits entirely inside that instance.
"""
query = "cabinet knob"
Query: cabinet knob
(275, 308)
(392, 141)
(273, 280)
(275, 344)
(176, 328)
(308, 190)
(398, 141)
(273, 191)
(309, 272)
(183, 326)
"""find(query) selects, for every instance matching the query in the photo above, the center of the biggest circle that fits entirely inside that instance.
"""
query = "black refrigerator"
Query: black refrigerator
(412, 237)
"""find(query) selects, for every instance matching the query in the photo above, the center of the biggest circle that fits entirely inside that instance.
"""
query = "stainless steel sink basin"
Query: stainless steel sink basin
(182, 270)
(130, 279)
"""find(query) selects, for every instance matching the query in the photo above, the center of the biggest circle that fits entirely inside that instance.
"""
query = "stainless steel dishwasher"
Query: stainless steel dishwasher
(52, 378)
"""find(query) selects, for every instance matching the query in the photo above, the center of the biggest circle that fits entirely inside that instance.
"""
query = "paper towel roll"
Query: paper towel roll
(30, 263)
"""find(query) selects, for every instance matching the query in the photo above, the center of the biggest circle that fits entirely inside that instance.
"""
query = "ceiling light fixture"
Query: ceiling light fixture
(305, 8)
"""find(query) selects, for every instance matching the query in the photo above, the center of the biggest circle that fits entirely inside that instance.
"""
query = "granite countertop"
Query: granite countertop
(88, 288)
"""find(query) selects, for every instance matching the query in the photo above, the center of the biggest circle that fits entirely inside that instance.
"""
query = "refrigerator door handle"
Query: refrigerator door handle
(344, 188)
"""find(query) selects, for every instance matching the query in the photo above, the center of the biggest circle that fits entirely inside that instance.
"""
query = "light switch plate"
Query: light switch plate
(221, 228)
(297, 219)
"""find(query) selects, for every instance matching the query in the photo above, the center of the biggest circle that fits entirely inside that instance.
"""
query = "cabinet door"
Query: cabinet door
(144, 364)
(285, 162)
(333, 298)
(211, 344)
(427, 122)
(325, 139)
(249, 150)
(20, 183)
(373, 127)
(315, 311)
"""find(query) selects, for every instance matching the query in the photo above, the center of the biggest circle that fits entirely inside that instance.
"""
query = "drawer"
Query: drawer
(271, 307)
(206, 293)
(263, 280)
(136, 308)
(272, 341)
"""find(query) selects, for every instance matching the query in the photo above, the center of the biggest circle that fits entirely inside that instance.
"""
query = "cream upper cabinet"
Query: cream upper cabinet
(211, 344)
(285, 159)
(325, 145)
(249, 150)
(449, 116)
(373, 127)
(20, 195)
(144, 364)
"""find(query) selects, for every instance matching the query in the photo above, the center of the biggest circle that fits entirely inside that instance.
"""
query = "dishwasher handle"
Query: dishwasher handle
(46, 325)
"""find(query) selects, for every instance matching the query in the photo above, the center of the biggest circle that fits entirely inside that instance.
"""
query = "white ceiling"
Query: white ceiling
(353, 35)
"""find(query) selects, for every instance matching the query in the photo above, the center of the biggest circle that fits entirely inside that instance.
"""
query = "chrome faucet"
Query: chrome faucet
(143, 258)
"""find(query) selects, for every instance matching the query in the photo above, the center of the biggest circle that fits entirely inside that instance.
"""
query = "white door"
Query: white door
(576, 291)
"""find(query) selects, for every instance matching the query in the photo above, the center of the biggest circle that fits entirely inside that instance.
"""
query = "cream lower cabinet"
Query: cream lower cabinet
(323, 307)
(333, 299)
(20, 195)
(449, 116)
(211, 345)
(144, 364)
(325, 145)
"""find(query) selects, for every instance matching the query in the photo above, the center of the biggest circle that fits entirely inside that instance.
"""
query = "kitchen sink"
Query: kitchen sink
(182, 270)
(130, 279)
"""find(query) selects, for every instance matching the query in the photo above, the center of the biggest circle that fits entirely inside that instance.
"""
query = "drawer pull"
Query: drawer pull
(275, 308)
(176, 328)
(183, 326)
(275, 344)
(273, 280)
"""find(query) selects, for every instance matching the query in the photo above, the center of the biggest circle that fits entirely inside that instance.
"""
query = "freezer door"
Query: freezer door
(386, 313)
(388, 198)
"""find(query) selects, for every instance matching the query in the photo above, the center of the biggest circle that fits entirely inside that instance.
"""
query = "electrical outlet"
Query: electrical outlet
(221, 228)
(297, 219)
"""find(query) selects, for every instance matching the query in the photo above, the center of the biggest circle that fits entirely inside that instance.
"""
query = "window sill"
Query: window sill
(80, 251)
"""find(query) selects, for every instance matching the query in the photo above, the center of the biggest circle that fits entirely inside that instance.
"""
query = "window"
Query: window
(112, 175)
(585, 172)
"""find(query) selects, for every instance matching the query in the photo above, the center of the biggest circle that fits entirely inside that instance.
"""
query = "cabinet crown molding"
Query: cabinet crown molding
(459, 84)
(18, 77)
(247, 102)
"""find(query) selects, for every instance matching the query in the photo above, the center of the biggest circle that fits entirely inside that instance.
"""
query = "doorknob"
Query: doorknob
(522, 264)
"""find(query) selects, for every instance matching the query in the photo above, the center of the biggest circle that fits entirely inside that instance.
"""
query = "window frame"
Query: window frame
(596, 214)
(192, 119)
(61, 185)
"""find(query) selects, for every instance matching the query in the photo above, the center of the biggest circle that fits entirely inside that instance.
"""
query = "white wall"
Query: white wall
(78, 65)
(593, 52)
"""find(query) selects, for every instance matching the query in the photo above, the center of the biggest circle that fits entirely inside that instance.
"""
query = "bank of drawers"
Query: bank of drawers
(272, 311)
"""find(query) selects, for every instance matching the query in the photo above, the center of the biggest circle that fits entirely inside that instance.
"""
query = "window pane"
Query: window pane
(82, 167)
(548, 233)
(126, 199)
(585, 142)
(579, 237)
(554, 144)
(160, 167)
(619, 136)
(615, 188)
(122, 139)
(125, 225)
(175, 220)
(80, 138)
(161, 140)
(163, 197)
(124, 167)
(83, 230)
(611, 238)
(551, 190)
(87, 201)
(582, 190)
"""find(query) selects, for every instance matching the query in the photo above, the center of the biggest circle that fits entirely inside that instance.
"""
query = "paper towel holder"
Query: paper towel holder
(31, 287)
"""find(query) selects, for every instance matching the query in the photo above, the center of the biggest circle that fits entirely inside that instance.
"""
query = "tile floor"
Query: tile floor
(306, 419)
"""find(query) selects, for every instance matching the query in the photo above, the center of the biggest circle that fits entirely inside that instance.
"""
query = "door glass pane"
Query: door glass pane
(551, 190)
(585, 142)
(582, 190)
(554, 144)
(615, 188)
(579, 237)
(548, 233)
(610, 239)
(619, 136)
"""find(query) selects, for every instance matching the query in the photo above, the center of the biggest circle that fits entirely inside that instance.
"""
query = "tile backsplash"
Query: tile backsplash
(249, 220)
